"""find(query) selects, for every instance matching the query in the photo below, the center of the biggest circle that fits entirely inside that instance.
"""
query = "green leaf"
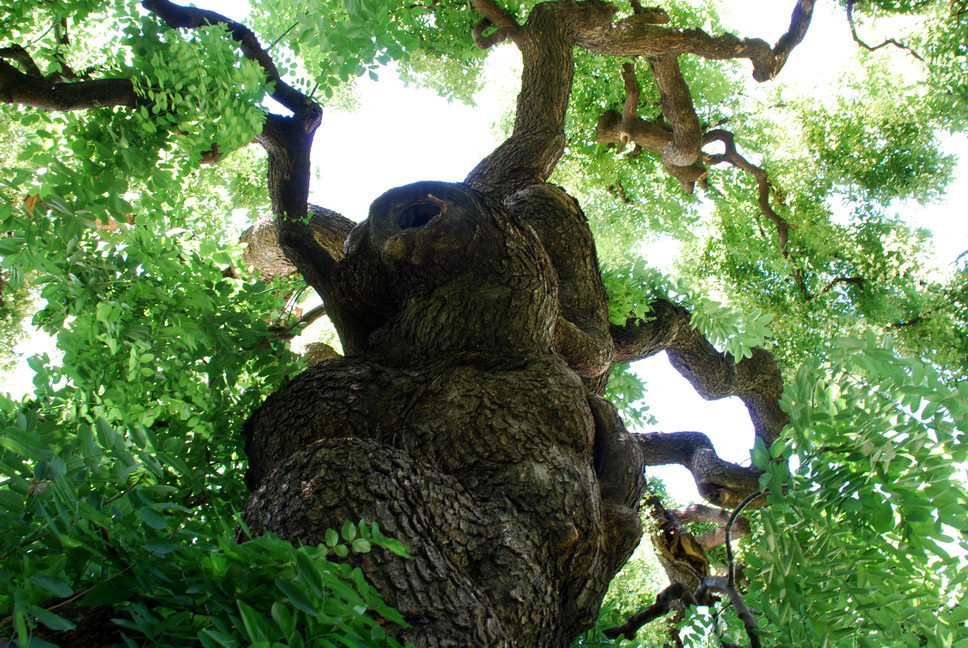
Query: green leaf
(51, 620)
(284, 618)
(52, 585)
(11, 501)
(105, 433)
(761, 457)
(348, 531)
(309, 572)
(15, 446)
(152, 518)
(218, 638)
(110, 592)
(161, 547)
(252, 622)
(296, 596)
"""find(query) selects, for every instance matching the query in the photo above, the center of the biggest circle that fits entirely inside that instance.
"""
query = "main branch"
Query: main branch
(720, 482)
(546, 40)
(27, 87)
(632, 37)
(755, 380)
(288, 141)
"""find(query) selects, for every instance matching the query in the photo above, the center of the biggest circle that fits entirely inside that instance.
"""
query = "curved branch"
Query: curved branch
(731, 577)
(799, 22)
(860, 282)
(632, 37)
(755, 380)
(288, 141)
(21, 57)
(177, 16)
(732, 156)
(486, 42)
(654, 136)
(665, 601)
(717, 516)
(720, 482)
(546, 41)
(720, 584)
(633, 92)
(17, 87)
(676, 104)
(874, 48)
(263, 253)
(495, 14)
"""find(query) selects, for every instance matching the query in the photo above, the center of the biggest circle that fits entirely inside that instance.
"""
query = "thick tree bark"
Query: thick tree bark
(262, 250)
(484, 429)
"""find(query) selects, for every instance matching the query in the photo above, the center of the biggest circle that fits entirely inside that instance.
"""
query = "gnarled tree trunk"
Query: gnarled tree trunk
(458, 425)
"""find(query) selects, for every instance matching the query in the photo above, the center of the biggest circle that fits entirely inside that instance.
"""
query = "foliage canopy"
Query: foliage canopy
(121, 474)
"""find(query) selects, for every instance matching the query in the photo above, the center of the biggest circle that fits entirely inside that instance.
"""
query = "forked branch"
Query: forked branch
(486, 42)
(288, 141)
(674, 137)
(874, 48)
(263, 253)
(666, 601)
(179, 17)
(546, 41)
(494, 15)
(718, 584)
(679, 595)
(678, 138)
(756, 380)
(732, 156)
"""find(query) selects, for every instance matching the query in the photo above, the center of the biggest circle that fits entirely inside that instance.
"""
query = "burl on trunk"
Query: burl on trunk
(458, 425)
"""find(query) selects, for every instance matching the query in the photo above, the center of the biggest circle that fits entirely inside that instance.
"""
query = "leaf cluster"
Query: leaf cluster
(862, 539)
(87, 521)
(633, 287)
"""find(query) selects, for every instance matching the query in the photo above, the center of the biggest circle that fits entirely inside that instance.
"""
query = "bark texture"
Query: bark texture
(262, 250)
(458, 426)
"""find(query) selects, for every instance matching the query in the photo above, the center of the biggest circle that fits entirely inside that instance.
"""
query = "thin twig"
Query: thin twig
(281, 36)
(732, 156)
(730, 576)
(889, 41)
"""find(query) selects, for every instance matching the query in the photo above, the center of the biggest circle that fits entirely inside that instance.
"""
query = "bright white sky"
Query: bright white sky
(402, 135)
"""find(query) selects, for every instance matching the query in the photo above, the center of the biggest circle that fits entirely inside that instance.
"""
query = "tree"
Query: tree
(466, 417)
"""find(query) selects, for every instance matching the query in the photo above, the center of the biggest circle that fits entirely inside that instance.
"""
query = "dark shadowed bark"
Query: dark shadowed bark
(466, 416)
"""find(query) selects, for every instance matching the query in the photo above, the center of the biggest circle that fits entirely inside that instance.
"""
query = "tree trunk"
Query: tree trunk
(459, 427)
